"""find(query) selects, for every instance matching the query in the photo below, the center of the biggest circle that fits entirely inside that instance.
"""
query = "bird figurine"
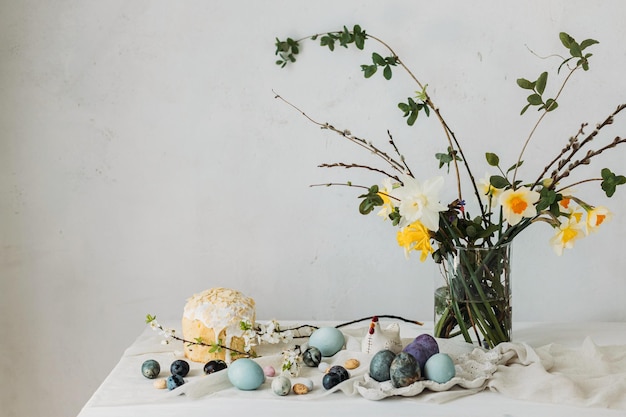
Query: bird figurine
(378, 339)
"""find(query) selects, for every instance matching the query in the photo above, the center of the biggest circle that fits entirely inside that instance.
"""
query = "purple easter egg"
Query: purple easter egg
(422, 348)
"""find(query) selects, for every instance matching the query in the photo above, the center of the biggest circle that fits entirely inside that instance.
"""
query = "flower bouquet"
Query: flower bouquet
(473, 250)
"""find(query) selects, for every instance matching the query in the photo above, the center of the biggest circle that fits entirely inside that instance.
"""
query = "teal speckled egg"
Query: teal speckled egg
(246, 374)
(439, 368)
(328, 340)
(150, 369)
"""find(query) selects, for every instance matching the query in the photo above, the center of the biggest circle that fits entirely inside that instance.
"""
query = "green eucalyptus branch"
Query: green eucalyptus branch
(538, 86)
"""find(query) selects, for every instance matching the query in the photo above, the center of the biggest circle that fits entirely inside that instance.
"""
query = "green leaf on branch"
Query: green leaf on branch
(370, 200)
(492, 159)
(369, 70)
(499, 182)
(359, 36)
(547, 198)
(287, 51)
(514, 166)
(447, 158)
(329, 41)
(525, 84)
(541, 82)
(610, 181)
(411, 110)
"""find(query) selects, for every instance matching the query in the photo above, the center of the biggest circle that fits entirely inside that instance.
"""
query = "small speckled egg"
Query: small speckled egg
(328, 340)
(174, 381)
(150, 369)
(281, 385)
(439, 368)
(246, 374)
(380, 365)
(312, 356)
(404, 370)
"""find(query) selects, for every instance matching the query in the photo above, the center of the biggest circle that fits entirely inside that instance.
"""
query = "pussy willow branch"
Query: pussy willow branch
(347, 166)
(349, 184)
(560, 190)
(574, 149)
(585, 161)
(393, 143)
(573, 141)
(346, 134)
(609, 120)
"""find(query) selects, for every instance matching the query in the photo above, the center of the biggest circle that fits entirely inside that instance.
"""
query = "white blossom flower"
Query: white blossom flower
(420, 201)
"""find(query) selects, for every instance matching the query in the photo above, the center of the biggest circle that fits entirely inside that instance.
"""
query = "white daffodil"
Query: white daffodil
(517, 204)
(488, 193)
(597, 216)
(420, 201)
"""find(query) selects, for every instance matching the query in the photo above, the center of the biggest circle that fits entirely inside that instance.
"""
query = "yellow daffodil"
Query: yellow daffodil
(388, 204)
(597, 216)
(420, 201)
(570, 230)
(517, 204)
(415, 237)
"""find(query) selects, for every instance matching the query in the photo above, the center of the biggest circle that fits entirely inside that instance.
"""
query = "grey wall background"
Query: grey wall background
(143, 158)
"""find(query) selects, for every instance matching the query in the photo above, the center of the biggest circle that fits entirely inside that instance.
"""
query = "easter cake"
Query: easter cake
(212, 317)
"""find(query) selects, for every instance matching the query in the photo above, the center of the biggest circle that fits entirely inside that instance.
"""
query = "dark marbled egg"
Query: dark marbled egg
(404, 370)
(214, 366)
(150, 369)
(330, 380)
(179, 367)
(339, 370)
(380, 365)
(312, 356)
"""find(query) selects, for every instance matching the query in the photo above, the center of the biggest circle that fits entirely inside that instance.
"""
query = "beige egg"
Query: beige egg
(300, 389)
(351, 364)
(160, 383)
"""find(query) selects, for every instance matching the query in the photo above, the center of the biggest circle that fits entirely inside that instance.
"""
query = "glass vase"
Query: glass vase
(473, 295)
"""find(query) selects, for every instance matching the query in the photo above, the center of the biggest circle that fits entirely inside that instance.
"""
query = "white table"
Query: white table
(125, 392)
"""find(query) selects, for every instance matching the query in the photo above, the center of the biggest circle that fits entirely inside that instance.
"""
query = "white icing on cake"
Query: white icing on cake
(221, 309)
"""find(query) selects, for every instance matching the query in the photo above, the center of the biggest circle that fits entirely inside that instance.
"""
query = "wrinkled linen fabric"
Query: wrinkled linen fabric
(590, 375)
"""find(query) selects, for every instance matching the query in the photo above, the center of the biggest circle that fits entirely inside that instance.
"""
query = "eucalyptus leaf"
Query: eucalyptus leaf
(499, 181)
(492, 159)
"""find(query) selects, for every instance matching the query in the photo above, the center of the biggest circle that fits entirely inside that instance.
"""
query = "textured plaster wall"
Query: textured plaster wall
(143, 158)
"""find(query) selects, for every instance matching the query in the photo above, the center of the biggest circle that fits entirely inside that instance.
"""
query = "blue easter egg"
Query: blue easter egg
(439, 368)
(174, 381)
(328, 340)
(246, 374)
